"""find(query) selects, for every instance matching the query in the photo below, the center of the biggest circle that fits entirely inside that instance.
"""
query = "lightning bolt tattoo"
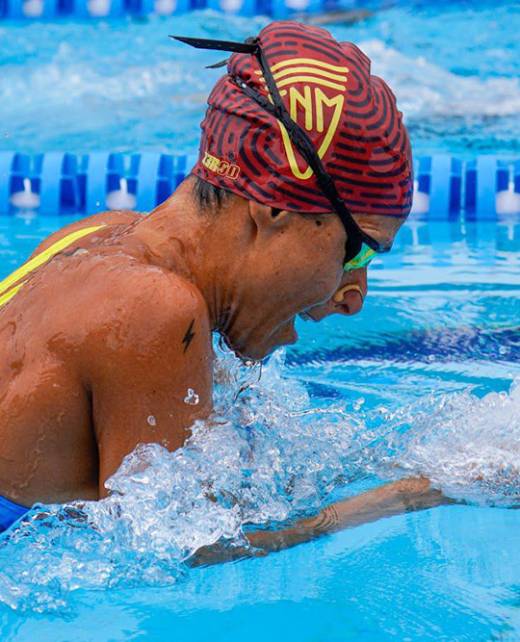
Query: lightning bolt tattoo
(188, 337)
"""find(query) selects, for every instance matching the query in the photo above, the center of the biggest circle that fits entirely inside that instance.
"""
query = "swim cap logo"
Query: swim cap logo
(220, 167)
(321, 111)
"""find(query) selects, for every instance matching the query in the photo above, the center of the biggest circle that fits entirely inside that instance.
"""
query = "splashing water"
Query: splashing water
(266, 455)
(468, 447)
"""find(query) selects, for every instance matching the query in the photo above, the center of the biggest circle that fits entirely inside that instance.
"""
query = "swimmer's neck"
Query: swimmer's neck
(198, 245)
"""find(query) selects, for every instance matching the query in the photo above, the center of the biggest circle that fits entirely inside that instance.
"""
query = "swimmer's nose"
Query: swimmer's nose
(350, 296)
(349, 299)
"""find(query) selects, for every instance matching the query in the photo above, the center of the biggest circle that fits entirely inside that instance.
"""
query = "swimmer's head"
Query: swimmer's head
(300, 130)
(334, 108)
(274, 265)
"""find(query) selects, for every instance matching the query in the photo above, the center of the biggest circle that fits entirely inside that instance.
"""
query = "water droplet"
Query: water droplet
(152, 421)
(358, 403)
(191, 398)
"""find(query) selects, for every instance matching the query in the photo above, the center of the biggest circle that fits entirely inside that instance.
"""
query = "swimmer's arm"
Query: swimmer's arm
(391, 499)
(150, 367)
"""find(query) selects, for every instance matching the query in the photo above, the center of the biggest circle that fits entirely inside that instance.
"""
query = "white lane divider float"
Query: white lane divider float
(26, 199)
(121, 199)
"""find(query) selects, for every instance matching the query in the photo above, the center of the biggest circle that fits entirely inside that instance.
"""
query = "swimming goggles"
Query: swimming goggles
(360, 248)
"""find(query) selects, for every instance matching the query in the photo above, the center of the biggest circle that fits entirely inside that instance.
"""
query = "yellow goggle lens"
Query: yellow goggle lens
(361, 260)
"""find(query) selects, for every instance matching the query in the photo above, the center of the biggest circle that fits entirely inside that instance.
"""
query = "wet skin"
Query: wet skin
(101, 347)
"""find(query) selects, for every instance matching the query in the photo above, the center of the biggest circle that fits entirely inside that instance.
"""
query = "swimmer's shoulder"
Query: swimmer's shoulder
(110, 220)
(146, 306)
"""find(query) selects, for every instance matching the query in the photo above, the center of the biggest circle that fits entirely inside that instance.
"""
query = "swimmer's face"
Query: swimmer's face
(350, 295)
(295, 266)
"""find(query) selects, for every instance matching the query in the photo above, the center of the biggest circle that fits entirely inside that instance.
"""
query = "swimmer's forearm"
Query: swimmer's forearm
(392, 499)
(395, 498)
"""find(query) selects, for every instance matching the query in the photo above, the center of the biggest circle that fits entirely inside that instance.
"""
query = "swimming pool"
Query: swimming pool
(425, 380)
(421, 379)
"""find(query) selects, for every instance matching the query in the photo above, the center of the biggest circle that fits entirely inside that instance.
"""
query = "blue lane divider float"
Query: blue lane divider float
(61, 183)
(86, 9)
(482, 188)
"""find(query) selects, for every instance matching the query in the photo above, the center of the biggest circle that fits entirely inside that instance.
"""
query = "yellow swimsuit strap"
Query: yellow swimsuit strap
(14, 282)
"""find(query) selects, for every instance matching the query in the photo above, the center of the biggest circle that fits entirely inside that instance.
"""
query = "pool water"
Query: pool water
(426, 380)
(123, 85)
(421, 382)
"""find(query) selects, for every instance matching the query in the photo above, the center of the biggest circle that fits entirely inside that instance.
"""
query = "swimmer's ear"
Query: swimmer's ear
(268, 218)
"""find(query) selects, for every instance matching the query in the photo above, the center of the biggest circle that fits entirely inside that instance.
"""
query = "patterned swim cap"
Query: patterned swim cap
(350, 116)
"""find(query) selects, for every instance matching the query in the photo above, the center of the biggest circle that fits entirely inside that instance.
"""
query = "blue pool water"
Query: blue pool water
(123, 85)
(426, 380)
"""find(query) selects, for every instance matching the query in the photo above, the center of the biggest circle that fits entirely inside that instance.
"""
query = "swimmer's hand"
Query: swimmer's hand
(398, 497)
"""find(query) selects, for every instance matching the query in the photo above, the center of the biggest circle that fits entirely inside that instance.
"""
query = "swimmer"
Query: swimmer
(304, 175)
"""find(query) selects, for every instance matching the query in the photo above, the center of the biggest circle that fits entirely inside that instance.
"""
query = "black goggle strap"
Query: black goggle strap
(303, 143)
(306, 149)
(355, 236)
(249, 47)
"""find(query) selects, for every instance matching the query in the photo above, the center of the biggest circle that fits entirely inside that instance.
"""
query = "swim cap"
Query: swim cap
(350, 116)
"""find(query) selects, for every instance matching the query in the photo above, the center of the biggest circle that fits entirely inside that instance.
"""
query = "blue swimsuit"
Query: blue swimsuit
(10, 513)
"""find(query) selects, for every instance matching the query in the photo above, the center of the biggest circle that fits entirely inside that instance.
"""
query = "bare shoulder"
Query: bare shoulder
(122, 217)
(146, 357)
(147, 307)
(169, 303)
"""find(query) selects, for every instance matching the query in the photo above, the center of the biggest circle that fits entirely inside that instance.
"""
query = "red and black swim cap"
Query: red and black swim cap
(350, 116)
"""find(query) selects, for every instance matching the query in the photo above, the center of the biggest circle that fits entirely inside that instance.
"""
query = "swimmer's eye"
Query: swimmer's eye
(361, 259)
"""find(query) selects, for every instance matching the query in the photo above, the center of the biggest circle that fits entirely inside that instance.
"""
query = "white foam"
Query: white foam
(61, 83)
(467, 446)
(424, 89)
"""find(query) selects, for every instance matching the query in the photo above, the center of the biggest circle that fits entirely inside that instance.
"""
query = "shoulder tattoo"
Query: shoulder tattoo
(188, 337)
